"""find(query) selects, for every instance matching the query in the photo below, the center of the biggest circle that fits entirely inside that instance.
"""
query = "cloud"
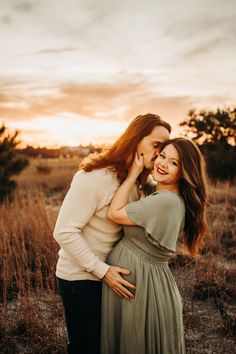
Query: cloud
(115, 96)
(118, 101)
(6, 19)
(201, 34)
(203, 48)
(57, 50)
(23, 7)
(13, 9)
(194, 26)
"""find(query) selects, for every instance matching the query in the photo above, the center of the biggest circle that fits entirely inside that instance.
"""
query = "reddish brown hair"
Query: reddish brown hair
(121, 154)
(193, 189)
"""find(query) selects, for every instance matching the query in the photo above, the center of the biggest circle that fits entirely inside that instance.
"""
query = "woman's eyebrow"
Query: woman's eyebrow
(173, 158)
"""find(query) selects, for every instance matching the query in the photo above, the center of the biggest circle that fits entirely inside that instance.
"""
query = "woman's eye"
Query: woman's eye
(162, 156)
(174, 163)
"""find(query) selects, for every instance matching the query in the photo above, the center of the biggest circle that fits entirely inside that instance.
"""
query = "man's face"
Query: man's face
(150, 143)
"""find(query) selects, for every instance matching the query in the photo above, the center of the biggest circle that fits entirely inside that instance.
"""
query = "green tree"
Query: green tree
(215, 134)
(10, 162)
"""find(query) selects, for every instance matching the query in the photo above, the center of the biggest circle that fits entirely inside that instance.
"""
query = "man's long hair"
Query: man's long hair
(121, 154)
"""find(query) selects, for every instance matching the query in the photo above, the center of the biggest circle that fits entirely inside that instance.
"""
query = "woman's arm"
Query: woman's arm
(116, 211)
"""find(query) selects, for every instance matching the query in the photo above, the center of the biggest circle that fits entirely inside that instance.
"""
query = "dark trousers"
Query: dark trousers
(82, 307)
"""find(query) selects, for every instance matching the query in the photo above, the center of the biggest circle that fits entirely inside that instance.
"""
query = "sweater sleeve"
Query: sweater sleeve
(80, 203)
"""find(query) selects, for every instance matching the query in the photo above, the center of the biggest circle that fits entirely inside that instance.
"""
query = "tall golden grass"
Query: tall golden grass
(31, 314)
(27, 248)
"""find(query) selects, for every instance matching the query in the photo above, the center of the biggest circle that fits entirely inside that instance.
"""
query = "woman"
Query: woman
(86, 237)
(151, 322)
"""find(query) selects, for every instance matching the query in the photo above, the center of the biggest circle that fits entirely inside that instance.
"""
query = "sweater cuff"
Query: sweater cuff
(100, 269)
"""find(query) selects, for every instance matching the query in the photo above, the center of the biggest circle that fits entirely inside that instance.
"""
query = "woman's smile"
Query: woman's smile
(161, 171)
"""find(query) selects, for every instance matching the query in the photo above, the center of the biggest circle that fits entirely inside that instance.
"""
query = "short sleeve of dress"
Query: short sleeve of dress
(161, 215)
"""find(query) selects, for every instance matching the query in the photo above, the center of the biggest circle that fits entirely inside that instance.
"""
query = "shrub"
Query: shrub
(10, 162)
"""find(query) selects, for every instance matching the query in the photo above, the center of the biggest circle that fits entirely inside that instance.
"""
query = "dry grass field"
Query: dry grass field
(31, 315)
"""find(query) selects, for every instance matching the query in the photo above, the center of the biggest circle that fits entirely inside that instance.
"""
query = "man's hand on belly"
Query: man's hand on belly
(119, 285)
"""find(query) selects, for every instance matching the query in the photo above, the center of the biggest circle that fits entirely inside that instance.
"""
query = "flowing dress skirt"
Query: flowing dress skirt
(151, 323)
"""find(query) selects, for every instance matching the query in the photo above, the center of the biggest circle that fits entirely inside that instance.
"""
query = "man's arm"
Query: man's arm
(77, 208)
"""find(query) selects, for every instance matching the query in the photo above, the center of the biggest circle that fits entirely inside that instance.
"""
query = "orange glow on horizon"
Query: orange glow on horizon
(54, 138)
(66, 131)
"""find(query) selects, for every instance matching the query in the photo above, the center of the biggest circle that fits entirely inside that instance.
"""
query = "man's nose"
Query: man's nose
(154, 156)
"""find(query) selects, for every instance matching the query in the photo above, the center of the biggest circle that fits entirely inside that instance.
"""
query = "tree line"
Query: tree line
(215, 134)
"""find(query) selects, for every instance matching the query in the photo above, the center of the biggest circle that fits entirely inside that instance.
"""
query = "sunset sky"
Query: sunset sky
(77, 71)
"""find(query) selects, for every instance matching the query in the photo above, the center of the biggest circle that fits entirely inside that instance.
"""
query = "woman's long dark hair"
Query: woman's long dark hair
(121, 154)
(193, 189)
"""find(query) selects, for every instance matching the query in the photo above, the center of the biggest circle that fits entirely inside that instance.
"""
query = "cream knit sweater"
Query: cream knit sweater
(82, 230)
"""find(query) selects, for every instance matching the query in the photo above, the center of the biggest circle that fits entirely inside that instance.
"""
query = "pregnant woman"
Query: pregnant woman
(151, 322)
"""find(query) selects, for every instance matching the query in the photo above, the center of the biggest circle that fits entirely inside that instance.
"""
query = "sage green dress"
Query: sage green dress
(152, 322)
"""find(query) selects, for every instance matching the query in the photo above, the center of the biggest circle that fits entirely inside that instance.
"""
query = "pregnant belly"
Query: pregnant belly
(122, 257)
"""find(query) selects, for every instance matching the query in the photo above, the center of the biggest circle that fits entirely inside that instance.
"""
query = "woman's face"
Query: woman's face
(167, 167)
(150, 143)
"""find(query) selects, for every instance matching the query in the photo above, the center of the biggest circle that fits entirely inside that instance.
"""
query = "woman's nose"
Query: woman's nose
(163, 163)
